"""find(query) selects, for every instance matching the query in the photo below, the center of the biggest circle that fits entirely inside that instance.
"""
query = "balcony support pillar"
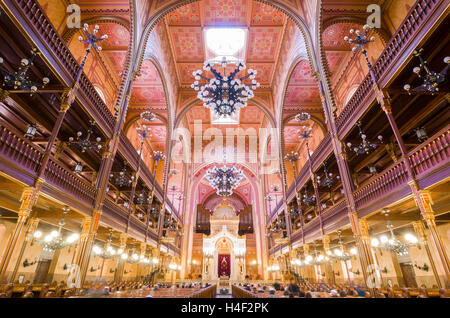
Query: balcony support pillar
(423, 201)
(27, 202)
(419, 228)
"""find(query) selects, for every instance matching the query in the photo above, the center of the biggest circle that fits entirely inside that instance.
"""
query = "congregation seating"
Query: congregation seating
(109, 290)
(322, 290)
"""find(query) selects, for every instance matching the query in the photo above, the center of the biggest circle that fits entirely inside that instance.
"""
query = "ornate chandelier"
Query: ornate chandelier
(147, 116)
(431, 80)
(86, 143)
(360, 41)
(20, 79)
(142, 198)
(328, 180)
(224, 179)
(392, 243)
(224, 94)
(365, 147)
(307, 199)
(339, 253)
(122, 180)
(108, 252)
(54, 240)
(302, 117)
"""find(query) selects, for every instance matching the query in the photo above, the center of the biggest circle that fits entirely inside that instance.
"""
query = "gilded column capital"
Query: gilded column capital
(4, 94)
(85, 226)
(67, 98)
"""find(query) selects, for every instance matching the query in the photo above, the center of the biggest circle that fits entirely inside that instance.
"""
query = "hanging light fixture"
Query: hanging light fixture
(54, 240)
(392, 244)
(421, 134)
(78, 167)
(225, 94)
(91, 39)
(302, 116)
(224, 180)
(372, 169)
(360, 41)
(122, 180)
(307, 199)
(158, 156)
(20, 79)
(147, 116)
(339, 253)
(108, 252)
(142, 198)
(318, 259)
(431, 80)
(328, 180)
(86, 143)
(31, 131)
(365, 147)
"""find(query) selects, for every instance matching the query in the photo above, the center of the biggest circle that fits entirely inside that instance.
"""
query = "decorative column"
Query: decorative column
(32, 225)
(423, 201)
(120, 265)
(365, 252)
(87, 237)
(419, 228)
(328, 267)
(27, 201)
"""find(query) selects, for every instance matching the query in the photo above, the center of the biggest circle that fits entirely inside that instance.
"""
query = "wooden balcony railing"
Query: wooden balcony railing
(19, 150)
(432, 154)
(387, 181)
(46, 32)
(393, 50)
(322, 152)
(62, 178)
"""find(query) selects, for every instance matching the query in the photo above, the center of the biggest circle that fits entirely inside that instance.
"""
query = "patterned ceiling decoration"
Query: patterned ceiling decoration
(226, 12)
(263, 43)
(265, 14)
(337, 52)
(292, 48)
(186, 15)
(186, 27)
(187, 43)
(302, 88)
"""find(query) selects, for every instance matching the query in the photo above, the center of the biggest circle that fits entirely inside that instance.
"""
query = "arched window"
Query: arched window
(100, 93)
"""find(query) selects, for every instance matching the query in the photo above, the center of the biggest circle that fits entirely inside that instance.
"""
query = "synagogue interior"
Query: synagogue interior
(224, 148)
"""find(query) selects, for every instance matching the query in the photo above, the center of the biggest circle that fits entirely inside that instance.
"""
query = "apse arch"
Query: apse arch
(281, 122)
(195, 102)
(258, 217)
(70, 32)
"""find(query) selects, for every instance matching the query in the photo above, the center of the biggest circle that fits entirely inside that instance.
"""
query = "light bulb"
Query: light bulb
(374, 242)
(37, 234)
(384, 239)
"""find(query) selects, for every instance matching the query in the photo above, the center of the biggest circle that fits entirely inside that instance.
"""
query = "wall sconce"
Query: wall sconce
(372, 169)
(357, 272)
(424, 268)
(65, 267)
(126, 272)
(384, 270)
(78, 167)
(337, 273)
(421, 134)
(26, 263)
(112, 270)
(31, 131)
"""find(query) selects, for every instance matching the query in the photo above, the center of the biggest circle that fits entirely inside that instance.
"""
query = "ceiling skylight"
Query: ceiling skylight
(225, 42)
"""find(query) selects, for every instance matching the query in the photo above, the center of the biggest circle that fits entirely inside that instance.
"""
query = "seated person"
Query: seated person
(293, 287)
(271, 292)
(277, 286)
